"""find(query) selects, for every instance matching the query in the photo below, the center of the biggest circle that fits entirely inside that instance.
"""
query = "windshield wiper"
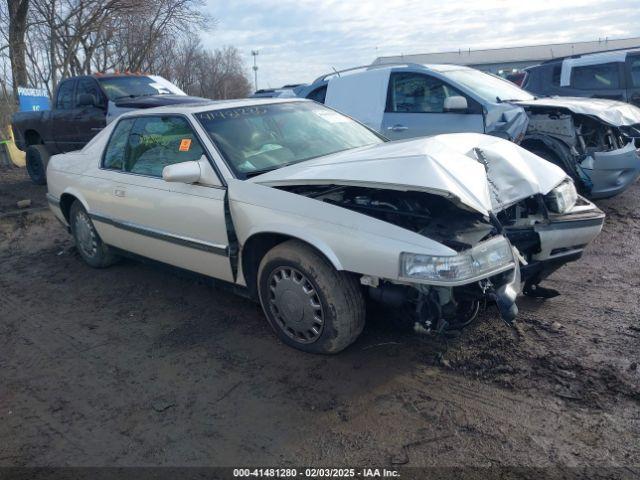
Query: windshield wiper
(141, 95)
(508, 100)
(255, 173)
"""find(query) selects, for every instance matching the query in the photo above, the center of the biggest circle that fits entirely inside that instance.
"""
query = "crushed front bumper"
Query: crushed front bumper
(560, 240)
(612, 172)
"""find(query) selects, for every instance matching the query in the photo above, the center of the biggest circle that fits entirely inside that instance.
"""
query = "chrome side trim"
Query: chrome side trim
(53, 200)
(161, 235)
(580, 223)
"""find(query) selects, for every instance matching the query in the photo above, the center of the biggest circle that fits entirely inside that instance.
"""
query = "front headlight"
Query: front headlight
(485, 259)
(562, 198)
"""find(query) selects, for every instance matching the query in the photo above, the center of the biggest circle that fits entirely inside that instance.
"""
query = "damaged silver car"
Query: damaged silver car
(312, 214)
(593, 140)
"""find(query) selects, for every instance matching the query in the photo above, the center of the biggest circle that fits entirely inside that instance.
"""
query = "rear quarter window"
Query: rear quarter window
(115, 152)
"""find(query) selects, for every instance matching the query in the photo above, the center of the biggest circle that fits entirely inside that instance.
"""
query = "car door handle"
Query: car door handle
(119, 192)
(398, 128)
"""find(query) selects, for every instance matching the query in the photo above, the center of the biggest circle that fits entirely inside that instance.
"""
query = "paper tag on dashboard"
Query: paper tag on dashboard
(185, 145)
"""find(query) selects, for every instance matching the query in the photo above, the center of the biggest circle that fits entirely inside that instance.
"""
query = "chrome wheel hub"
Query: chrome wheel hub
(294, 303)
(85, 235)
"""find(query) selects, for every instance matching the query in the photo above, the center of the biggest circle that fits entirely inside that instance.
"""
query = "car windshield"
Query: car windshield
(133, 86)
(259, 138)
(488, 87)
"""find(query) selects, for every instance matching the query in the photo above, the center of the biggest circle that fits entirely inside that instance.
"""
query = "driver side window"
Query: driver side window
(155, 142)
(417, 93)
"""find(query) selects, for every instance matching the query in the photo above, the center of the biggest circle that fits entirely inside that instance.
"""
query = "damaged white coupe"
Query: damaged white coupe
(314, 215)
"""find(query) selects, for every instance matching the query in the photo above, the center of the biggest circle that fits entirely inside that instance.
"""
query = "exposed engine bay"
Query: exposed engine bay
(430, 215)
(587, 134)
(432, 308)
(426, 308)
(575, 141)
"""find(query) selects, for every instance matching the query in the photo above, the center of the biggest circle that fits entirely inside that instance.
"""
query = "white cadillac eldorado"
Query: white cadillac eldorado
(312, 214)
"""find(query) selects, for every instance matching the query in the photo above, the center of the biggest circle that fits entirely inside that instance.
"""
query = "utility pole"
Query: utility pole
(255, 68)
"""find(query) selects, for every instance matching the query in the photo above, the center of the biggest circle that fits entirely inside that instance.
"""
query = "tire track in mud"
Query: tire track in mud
(133, 365)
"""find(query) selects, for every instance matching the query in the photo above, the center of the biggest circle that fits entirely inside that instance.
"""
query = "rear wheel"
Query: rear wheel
(37, 159)
(91, 248)
(310, 305)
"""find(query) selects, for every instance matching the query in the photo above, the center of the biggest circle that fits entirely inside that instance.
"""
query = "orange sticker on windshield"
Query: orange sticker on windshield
(185, 144)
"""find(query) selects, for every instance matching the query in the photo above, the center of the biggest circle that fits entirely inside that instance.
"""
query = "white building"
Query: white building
(513, 58)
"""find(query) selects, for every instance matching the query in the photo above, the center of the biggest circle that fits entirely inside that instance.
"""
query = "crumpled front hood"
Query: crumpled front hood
(513, 172)
(612, 112)
(445, 165)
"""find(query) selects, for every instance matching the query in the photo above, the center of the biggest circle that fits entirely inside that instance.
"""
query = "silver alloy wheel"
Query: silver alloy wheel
(295, 305)
(85, 235)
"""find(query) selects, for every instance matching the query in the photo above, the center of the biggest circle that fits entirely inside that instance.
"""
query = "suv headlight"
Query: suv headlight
(562, 198)
(485, 259)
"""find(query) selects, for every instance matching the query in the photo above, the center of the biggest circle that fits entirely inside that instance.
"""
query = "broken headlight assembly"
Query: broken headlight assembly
(562, 198)
(484, 260)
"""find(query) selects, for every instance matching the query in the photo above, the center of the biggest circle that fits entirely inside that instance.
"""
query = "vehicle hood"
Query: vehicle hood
(445, 165)
(611, 112)
(157, 101)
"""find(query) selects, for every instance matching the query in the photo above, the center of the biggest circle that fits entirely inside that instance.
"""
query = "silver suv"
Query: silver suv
(593, 140)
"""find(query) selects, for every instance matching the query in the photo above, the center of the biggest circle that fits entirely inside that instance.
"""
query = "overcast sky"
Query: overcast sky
(300, 39)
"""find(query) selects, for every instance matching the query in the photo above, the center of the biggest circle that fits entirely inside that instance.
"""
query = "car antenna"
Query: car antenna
(336, 71)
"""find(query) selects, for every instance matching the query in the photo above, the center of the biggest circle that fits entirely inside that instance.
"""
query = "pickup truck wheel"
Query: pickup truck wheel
(311, 306)
(37, 159)
(91, 248)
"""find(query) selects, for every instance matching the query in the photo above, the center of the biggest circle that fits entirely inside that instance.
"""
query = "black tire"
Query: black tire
(88, 243)
(314, 290)
(37, 160)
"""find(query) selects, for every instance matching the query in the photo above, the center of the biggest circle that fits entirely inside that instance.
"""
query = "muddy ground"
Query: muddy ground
(141, 365)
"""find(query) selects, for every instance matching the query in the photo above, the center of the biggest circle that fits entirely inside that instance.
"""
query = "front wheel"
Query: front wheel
(37, 158)
(573, 172)
(91, 248)
(310, 305)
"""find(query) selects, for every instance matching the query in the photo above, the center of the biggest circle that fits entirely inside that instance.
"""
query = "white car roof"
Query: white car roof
(207, 106)
(436, 67)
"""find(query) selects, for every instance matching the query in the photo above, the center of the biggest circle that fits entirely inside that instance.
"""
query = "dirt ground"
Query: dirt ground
(141, 365)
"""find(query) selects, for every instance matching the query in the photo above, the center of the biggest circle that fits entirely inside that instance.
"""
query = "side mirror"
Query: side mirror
(184, 172)
(86, 100)
(456, 104)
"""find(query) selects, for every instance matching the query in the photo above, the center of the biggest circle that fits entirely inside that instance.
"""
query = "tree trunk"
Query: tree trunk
(17, 49)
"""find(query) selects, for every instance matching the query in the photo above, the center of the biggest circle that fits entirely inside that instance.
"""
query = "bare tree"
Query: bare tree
(17, 13)
(155, 22)
(43, 41)
(220, 74)
(72, 31)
